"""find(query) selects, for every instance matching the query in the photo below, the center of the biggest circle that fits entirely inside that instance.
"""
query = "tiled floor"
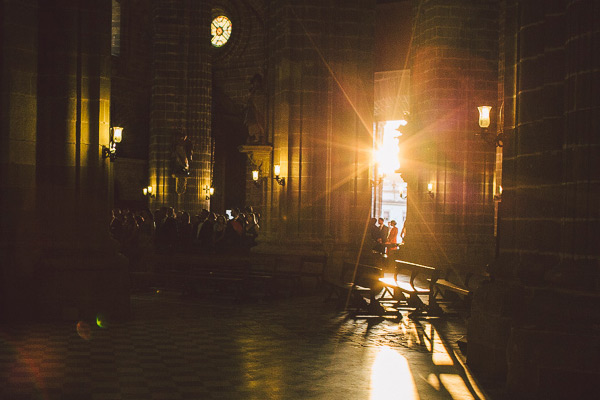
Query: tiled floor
(191, 348)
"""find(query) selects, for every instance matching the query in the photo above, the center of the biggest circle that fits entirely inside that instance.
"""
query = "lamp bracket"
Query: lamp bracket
(496, 139)
(110, 152)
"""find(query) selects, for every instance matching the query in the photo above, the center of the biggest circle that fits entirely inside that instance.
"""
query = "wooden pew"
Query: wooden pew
(361, 282)
(224, 275)
(408, 294)
(288, 270)
(456, 283)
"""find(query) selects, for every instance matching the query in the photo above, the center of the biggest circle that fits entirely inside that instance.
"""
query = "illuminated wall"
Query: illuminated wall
(320, 86)
(58, 260)
(453, 70)
(180, 102)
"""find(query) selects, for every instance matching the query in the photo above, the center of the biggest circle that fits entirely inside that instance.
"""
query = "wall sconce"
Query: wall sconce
(256, 177)
(277, 172)
(209, 191)
(111, 150)
(484, 124)
(430, 189)
(148, 191)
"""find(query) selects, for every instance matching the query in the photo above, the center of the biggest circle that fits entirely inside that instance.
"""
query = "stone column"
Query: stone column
(453, 71)
(61, 262)
(180, 103)
(320, 86)
(536, 324)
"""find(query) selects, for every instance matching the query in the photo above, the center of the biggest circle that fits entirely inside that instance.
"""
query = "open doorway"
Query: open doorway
(389, 189)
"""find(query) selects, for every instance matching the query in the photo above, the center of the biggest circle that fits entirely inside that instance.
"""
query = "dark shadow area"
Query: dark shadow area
(229, 132)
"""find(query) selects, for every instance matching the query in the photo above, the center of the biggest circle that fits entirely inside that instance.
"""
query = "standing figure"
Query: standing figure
(183, 150)
(383, 235)
(392, 239)
(254, 117)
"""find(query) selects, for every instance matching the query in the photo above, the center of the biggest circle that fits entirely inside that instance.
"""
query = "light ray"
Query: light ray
(333, 75)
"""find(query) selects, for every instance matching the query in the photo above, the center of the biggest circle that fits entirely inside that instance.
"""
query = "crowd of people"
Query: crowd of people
(168, 231)
(384, 238)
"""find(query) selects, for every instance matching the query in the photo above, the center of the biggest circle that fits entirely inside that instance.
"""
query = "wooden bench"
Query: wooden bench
(229, 275)
(408, 293)
(290, 270)
(356, 290)
(456, 282)
(365, 277)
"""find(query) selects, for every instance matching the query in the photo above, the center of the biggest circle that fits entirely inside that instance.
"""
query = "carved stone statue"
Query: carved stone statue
(182, 154)
(254, 117)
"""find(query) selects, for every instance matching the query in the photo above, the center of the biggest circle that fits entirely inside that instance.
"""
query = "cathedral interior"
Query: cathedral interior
(283, 106)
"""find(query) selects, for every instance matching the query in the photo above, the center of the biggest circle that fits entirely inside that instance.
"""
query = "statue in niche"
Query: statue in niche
(254, 117)
(182, 155)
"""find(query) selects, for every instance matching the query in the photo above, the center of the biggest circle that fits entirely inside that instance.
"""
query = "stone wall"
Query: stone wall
(453, 71)
(181, 102)
(58, 258)
(536, 324)
(320, 82)
(131, 86)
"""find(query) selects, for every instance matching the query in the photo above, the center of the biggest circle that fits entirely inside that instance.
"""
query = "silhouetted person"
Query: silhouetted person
(169, 234)
(383, 234)
(205, 235)
(185, 232)
(219, 233)
(392, 240)
(116, 224)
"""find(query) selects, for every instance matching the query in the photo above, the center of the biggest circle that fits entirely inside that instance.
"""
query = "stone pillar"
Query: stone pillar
(60, 261)
(320, 82)
(536, 324)
(181, 101)
(453, 71)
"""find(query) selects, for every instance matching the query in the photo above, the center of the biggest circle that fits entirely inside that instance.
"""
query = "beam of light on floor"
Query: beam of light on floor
(391, 378)
(455, 385)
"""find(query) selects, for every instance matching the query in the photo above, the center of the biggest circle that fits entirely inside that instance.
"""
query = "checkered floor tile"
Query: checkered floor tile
(190, 348)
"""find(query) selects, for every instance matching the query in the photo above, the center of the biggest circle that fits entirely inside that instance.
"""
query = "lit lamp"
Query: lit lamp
(430, 189)
(117, 134)
(111, 150)
(484, 124)
(256, 177)
(148, 191)
(209, 191)
(277, 172)
(484, 116)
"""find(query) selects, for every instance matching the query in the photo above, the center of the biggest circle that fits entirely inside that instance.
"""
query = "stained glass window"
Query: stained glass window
(220, 29)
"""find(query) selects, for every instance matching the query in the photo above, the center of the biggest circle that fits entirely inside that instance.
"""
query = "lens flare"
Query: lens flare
(84, 330)
(101, 321)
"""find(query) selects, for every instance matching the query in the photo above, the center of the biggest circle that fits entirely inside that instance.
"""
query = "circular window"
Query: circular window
(220, 29)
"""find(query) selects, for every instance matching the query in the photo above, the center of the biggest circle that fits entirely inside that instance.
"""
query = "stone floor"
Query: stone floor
(177, 347)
